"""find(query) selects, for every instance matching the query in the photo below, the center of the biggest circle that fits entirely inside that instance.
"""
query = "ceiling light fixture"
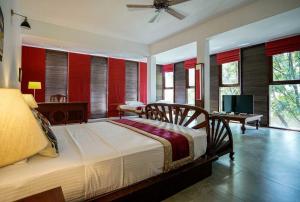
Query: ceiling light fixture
(25, 23)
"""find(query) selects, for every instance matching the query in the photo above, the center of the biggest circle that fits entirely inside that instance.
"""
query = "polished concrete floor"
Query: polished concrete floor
(266, 168)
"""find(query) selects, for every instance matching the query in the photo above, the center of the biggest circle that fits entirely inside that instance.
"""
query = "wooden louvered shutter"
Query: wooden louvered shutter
(159, 82)
(131, 81)
(179, 83)
(56, 73)
(98, 87)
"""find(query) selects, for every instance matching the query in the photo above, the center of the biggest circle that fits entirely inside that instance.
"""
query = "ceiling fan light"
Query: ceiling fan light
(25, 24)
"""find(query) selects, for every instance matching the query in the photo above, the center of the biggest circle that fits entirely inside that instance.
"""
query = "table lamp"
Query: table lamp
(35, 85)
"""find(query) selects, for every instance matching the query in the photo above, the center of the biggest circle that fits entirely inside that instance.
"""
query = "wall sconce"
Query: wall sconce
(25, 23)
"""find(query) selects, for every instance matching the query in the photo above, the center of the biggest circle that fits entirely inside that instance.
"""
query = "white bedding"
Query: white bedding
(94, 158)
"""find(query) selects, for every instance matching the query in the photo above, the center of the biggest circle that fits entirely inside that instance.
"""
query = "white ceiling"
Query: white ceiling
(177, 54)
(275, 27)
(112, 18)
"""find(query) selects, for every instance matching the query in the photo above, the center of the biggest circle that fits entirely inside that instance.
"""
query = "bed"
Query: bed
(95, 164)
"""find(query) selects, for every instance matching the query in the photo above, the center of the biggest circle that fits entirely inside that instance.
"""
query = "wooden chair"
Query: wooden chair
(58, 98)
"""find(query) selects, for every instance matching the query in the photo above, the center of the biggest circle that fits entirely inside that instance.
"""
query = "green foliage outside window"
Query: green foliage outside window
(285, 98)
(230, 73)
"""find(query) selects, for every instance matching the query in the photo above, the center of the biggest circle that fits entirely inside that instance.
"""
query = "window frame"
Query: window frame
(282, 82)
(221, 85)
(273, 83)
(238, 84)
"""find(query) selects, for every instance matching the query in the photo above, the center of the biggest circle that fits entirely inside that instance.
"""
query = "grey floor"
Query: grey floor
(266, 168)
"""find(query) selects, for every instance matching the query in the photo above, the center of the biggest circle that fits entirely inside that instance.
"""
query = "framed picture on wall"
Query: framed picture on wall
(1, 34)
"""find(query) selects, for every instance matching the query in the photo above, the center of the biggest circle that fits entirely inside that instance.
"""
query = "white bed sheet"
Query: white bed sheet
(94, 158)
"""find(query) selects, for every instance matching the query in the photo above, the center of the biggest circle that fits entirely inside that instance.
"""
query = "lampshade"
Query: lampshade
(20, 134)
(30, 101)
(34, 85)
(25, 24)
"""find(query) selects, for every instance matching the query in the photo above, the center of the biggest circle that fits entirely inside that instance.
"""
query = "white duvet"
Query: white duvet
(95, 158)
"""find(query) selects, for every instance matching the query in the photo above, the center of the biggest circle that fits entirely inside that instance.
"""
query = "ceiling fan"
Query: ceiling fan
(162, 5)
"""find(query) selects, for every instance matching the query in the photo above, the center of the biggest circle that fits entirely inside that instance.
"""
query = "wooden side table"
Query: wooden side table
(243, 119)
(52, 195)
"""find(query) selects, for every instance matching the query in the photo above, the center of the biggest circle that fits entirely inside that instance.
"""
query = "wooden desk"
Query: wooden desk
(51, 195)
(243, 119)
(64, 113)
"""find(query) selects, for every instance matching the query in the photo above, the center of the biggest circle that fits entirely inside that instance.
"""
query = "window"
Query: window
(230, 73)
(169, 86)
(191, 86)
(286, 66)
(229, 81)
(284, 91)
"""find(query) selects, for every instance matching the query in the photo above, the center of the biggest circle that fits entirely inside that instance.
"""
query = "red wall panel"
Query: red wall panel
(79, 78)
(143, 82)
(116, 85)
(33, 69)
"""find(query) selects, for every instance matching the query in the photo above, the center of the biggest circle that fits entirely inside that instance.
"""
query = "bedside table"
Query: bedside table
(52, 195)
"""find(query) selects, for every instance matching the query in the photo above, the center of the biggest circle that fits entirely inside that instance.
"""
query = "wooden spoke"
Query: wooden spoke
(192, 118)
(183, 117)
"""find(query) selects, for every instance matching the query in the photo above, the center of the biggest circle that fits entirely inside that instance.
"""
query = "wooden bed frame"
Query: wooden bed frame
(219, 142)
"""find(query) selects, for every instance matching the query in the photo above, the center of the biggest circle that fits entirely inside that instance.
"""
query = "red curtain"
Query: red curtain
(228, 56)
(168, 68)
(79, 78)
(33, 69)
(116, 85)
(143, 82)
(188, 64)
(283, 45)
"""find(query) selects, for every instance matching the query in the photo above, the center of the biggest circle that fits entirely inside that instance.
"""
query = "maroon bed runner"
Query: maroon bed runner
(179, 143)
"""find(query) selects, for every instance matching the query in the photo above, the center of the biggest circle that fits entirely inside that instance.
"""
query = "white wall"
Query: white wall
(12, 46)
(58, 37)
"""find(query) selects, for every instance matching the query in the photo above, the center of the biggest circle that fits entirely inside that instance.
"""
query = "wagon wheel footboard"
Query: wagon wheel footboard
(219, 136)
(219, 140)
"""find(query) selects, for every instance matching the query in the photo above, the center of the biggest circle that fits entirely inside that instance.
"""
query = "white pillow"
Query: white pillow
(134, 103)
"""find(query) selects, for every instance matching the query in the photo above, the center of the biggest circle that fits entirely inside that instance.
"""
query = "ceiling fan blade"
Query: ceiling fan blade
(139, 6)
(176, 14)
(174, 2)
(155, 17)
